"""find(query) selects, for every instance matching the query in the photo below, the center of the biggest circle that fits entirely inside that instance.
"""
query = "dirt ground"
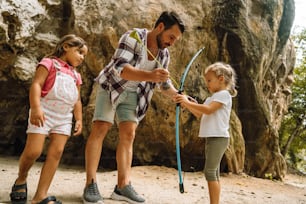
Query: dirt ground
(159, 185)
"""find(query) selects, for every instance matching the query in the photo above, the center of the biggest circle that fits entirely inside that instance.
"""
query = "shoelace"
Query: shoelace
(93, 189)
(132, 189)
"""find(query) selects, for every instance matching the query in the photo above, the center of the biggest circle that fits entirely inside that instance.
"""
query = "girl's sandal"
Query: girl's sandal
(18, 196)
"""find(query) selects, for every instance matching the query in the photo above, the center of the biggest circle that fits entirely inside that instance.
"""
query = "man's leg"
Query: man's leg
(102, 121)
(124, 190)
(124, 152)
(93, 151)
(94, 148)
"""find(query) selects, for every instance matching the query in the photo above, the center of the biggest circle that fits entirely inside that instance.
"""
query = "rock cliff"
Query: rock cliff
(252, 36)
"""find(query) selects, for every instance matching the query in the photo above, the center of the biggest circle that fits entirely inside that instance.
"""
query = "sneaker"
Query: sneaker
(127, 194)
(91, 194)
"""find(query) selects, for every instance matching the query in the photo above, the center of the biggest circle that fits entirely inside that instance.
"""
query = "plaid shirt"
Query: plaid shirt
(131, 52)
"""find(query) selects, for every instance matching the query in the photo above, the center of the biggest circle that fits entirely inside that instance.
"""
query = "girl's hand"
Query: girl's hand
(180, 98)
(192, 99)
(37, 117)
(78, 128)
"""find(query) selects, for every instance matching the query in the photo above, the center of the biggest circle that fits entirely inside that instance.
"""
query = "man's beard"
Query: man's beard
(159, 42)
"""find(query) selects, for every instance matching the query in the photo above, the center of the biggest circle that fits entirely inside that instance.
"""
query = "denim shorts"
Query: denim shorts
(124, 109)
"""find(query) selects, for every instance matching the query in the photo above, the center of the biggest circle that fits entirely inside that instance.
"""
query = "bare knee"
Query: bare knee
(99, 129)
(127, 131)
(31, 154)
(55, 152)
(127, 136)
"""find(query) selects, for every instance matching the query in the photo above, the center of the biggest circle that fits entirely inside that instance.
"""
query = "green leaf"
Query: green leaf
(135, 35)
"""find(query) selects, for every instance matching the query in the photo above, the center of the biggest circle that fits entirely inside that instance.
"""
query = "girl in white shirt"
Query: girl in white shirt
(220, 79)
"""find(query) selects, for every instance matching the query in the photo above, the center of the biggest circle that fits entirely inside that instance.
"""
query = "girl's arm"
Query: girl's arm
(77, 112)
(37, 116)
(195, 108)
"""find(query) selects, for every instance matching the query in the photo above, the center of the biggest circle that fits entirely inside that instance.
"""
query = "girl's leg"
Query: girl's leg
(214, 150)
(214, 191)
(54, 154)
(31, 152)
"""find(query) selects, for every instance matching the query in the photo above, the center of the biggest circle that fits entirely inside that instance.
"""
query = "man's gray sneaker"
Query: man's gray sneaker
(127, 193)
(92, 195)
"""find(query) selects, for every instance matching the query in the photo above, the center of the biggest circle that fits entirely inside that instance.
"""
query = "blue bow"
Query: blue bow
(177, 114)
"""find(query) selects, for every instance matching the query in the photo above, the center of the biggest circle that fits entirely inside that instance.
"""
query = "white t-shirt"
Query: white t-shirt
(217, 123)
(145, 64)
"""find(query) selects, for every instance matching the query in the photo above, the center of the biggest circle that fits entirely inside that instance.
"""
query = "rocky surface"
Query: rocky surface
(252, 36)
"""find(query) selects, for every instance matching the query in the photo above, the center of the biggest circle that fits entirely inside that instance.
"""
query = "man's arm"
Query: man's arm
(134, 74)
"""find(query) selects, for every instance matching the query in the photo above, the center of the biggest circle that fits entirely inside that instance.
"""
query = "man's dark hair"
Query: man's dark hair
(170, 18)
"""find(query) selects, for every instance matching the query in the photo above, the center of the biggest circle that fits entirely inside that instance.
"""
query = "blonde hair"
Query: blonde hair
(229, 74)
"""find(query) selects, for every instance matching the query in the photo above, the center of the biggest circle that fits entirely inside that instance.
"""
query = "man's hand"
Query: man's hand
(159, 75)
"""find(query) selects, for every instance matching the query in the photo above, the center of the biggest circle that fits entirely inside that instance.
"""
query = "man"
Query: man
(126, 88)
